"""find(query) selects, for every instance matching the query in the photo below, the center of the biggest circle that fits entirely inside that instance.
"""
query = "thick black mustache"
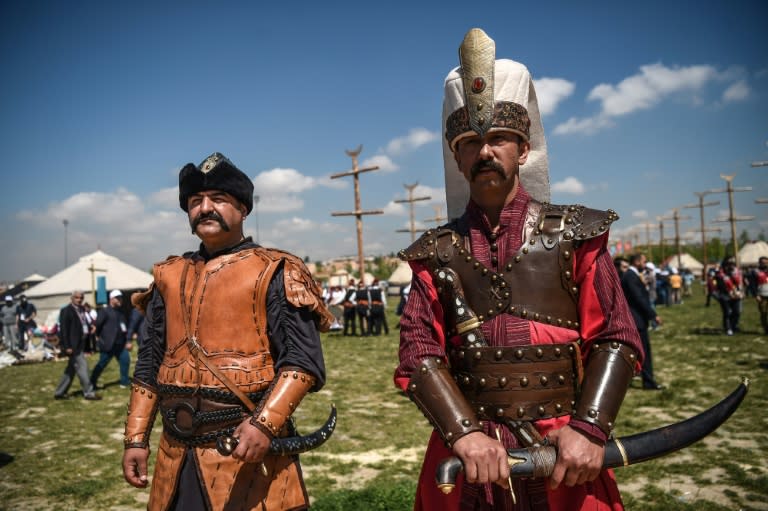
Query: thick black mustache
(482, 165)
(209, 216)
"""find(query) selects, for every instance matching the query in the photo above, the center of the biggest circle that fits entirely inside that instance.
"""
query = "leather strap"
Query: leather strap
(199, 354)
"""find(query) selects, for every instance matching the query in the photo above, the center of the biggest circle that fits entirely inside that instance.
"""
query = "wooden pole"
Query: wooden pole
(410, 200)
(357, 213)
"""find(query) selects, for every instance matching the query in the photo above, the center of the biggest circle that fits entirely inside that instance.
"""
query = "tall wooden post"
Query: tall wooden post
(438, 218)
(701, 205)
(357, 213)
(732, 219)
(410, 200)
(93, 271)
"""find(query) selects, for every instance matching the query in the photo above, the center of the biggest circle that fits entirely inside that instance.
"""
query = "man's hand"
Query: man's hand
(252, 443)
(485, 459)
(135, 466)
(579, 459)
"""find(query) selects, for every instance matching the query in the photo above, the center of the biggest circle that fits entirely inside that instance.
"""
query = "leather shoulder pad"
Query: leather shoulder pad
(582, 223)
(140, 299)
(434, 245)
(301, 290)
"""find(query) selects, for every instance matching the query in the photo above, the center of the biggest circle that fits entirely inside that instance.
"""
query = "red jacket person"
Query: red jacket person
(516, 329)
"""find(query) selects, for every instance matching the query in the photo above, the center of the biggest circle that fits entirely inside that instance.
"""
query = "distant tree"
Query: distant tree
(306, 259)
(744, 238)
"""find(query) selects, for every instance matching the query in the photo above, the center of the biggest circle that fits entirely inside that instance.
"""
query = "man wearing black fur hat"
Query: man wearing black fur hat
(218, 360)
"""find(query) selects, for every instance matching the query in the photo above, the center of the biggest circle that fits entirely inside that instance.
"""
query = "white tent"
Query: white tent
(53, 293)
(687, 262)
(751, 252)
(402, 274)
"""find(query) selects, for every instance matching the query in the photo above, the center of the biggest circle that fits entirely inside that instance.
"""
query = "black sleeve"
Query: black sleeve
(152, 348)
(637, 296)
(293, 336)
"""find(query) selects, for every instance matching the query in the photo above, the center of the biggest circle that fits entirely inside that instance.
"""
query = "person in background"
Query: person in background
(10, 328)
(378, 318)
(636, 293)
(730, 292)
(26, 313)
(90, 338)
(363, 307)
(761, 293)
(135, 324)
(111, 339)
(73, 329)
(350, 309)
(675, 286)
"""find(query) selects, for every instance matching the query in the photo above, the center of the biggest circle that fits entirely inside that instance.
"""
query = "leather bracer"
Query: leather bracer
(435, 392)
(287, 390)
(607, 376)
(142, 409)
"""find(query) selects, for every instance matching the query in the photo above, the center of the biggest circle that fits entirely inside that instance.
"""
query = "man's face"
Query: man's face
(640, 263)
(116, 301)
(491, 164)
(77, 299)
(762, 263)
(215, 214)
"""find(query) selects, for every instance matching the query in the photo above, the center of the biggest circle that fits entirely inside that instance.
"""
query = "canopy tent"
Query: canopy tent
(751, 252)
(25, 284)
(53, 293)
(402, 274)
(687, 262)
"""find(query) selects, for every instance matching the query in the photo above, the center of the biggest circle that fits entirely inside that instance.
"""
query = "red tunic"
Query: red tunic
(603, 314)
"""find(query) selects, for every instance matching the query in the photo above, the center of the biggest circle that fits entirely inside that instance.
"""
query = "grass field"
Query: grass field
(65, 455)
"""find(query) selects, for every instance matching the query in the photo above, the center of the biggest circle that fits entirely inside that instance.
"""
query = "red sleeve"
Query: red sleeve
(602, 307)
(422, 331)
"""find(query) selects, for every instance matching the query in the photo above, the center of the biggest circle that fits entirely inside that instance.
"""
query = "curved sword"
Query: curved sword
(288, 445)
(540, 461)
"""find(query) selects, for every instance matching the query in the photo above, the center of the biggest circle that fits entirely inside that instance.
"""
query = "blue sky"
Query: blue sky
(103, 102)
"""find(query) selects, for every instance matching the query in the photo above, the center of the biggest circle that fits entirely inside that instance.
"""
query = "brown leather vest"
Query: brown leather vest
(537, 282)
(221, 304)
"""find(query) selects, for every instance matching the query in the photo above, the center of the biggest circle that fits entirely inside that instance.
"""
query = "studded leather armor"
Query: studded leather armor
(536, 284)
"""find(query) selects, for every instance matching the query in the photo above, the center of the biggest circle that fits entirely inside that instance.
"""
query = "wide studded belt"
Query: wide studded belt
(520, 383)
(197, 420)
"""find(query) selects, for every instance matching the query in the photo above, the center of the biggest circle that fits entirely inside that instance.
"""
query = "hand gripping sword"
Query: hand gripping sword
(619, 452)
(538, 459)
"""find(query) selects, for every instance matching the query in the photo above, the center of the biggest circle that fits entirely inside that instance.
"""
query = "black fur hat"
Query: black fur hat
(215, 173)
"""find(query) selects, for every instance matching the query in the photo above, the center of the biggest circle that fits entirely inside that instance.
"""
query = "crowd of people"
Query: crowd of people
(358, 308)
(725, 283)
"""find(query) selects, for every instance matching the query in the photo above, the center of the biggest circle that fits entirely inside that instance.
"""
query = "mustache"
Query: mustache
(209, 216)
(482, 165)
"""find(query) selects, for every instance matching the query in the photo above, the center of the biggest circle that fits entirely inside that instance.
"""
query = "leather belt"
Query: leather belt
(528, 382)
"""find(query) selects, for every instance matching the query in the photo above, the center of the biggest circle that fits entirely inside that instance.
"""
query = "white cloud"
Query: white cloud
(647, 88)
(282, 181)
(586, 126)
(382, 161)
(296, 224)
(569, 185)
(393, 208)
(640, 213)
(415, 138)
(550, 92)
(167, 197)
(280, 203)
(644, 90)
(738, 91)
